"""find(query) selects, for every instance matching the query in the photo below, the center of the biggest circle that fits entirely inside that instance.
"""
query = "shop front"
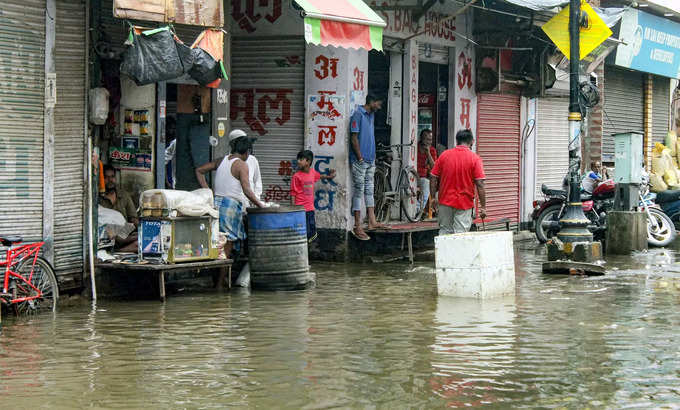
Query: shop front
(430, 65)
(638, 78)
(146, 120)
(295, 82)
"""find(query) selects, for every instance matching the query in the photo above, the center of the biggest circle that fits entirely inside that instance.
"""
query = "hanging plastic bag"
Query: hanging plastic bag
(154, 55)
(205, 68)
(99, 105)
(208, 52)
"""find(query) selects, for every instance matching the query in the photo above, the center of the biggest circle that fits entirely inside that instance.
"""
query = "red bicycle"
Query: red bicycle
(29, 283)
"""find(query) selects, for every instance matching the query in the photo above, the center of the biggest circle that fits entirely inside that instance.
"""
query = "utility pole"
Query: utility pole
(574, 223)
(574, 251)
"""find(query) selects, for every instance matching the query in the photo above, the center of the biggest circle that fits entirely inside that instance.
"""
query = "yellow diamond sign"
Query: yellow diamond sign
(592, 36)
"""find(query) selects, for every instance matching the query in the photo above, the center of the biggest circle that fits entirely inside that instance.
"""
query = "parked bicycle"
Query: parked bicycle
(29, 283)
(405, 192)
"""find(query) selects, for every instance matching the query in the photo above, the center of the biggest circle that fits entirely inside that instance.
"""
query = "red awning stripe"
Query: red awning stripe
(345, 34)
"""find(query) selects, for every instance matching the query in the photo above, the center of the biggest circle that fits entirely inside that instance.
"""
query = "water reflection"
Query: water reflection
(473, 349)
(367, 336)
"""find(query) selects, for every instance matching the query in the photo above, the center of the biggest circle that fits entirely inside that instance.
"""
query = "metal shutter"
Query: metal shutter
(552, 142)
(69, 143)
(259, 67)
(661, 109)
(498, 143)
(623, 106)
(22, 93)
(433, 54)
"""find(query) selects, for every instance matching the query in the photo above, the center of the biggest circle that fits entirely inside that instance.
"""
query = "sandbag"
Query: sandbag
(672, 142)
(670, 177)
(656, 183)
(658, 149)
(155, 55)
(660, 164)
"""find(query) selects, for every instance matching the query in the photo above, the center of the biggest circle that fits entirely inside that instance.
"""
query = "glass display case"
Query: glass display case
(182, 239)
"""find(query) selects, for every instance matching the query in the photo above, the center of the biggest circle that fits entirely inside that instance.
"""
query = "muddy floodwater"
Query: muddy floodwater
(368, 336)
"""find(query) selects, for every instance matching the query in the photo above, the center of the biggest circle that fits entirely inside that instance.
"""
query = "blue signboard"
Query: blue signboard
(652, 44)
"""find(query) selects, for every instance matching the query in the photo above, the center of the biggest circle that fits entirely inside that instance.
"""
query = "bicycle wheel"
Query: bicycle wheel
(43, 278)
(381, 185)
(410, 194)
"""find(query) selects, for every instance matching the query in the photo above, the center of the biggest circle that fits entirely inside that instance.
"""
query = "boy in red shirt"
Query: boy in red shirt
(302, 188)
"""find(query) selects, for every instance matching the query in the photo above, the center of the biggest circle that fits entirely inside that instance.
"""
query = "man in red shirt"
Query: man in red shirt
(457, 172)
(427, 155)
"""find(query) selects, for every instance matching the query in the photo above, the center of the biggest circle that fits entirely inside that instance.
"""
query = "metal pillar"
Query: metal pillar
(574, 223)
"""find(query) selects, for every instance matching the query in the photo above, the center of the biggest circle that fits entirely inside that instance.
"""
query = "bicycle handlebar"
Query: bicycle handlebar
(381, 146)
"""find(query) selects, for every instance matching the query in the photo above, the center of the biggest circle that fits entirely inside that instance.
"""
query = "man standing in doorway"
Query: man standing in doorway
(362, 160)
(457, 172)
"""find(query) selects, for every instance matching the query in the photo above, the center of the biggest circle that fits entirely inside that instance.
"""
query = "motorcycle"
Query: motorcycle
(547, 213)
(660, 228)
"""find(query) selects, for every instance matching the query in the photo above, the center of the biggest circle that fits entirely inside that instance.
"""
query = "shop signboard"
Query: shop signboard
(652, 44)
(437, 27)
(130, 159)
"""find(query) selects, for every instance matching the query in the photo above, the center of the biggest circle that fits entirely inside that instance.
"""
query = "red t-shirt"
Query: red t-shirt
(422, 161)
(458, 169)
(302, 188)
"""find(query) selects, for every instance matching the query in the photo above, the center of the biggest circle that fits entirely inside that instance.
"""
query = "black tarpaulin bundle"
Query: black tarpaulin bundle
(155, 55)
(158, 55)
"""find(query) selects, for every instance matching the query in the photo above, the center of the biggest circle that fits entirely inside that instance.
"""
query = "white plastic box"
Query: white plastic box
(475, 265)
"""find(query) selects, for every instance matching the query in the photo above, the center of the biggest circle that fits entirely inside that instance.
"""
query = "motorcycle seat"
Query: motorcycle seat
(552, 192)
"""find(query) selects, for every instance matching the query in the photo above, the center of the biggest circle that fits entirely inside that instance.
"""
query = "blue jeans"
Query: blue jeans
(363, 182)
(424, 184)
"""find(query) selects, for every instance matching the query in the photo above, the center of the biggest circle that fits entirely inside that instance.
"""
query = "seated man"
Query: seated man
(593, 178)
(115, 198)
(119, 200)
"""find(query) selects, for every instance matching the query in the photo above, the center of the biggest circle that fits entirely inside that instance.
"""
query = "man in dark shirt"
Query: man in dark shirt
(117, 199)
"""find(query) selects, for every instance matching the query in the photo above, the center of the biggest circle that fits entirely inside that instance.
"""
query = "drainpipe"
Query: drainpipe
(88, 156)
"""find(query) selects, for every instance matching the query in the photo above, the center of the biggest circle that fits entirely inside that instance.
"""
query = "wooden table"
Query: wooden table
(162, 269)
(406, 231)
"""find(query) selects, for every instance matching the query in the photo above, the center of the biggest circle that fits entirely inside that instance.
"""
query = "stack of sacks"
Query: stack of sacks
(665, 173)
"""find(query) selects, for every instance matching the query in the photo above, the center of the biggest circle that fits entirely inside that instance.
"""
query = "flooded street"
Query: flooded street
(367, 336)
